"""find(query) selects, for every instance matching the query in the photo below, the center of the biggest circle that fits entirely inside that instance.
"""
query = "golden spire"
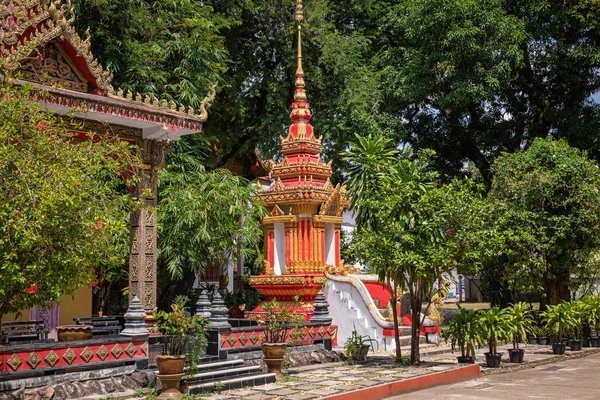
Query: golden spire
(299, 93)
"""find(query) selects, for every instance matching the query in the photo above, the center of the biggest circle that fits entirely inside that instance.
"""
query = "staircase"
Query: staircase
(225, 375)
(348, 306)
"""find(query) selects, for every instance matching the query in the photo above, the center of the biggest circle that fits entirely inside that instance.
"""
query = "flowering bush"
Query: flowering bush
(279, 322)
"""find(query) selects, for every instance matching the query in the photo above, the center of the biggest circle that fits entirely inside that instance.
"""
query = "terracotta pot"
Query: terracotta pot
(72, 333)
(170, 365)
(274, 354)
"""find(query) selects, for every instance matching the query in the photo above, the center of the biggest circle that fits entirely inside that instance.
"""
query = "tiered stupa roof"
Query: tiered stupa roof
(301, 175)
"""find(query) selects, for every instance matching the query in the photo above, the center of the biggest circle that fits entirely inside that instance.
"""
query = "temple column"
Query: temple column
(143, 223)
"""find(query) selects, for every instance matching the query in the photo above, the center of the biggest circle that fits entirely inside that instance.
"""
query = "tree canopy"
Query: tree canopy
(61, 215)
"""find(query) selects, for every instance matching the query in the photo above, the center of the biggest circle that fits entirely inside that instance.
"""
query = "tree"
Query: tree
(546, 217)
(61, 215)
(404, 230)
(473, 79)
(180, 46)
(203, 215)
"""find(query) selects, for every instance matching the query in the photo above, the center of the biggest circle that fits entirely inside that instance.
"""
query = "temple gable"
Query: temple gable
(53, 65)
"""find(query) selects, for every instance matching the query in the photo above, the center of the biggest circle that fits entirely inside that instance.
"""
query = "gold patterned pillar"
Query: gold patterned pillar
(143, 244)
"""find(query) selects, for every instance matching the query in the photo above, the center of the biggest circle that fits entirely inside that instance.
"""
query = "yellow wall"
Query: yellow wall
(80, 305)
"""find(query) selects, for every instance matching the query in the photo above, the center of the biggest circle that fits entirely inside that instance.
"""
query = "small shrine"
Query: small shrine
(302, 230)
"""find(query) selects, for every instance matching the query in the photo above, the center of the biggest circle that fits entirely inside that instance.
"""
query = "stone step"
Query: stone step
(233, 383)
(219, 365)
(220, 375)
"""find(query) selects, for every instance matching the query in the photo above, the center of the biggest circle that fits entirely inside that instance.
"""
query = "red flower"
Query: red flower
(32, 289)
(99, 223)
(17, 213)
(95, 283)
(40, 56)
(41, 126)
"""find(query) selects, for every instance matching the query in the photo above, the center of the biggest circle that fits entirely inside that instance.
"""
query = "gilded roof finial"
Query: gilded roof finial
(299, 93)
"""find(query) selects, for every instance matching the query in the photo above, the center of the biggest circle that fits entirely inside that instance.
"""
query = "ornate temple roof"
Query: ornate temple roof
(38, 41)
(302, 176)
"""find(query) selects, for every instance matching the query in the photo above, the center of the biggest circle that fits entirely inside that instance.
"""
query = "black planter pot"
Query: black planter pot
(516, 356)
(531, 339)
(585, 342)
(595, 341)
(465, 360)
(575, 344)
(493, 360)
(542, 340)
(559, 348)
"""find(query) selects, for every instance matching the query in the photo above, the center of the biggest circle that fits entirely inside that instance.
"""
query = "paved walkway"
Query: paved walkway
(326, 380)
(577, 379)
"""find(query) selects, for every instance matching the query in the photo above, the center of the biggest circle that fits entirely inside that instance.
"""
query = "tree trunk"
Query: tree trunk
(416, 302)
(556, 290)
(394, 305)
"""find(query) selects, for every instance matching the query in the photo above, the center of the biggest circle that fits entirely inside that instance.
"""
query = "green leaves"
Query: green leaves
(64, 213)
(203, 216)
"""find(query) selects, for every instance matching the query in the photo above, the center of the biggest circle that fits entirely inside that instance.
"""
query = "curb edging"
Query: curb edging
(410, 384)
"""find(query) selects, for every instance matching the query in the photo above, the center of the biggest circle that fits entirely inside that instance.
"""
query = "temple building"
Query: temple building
(39, 44)
(302, 230)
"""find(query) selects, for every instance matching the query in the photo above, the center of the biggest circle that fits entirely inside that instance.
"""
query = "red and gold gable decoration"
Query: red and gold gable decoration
(63, 56)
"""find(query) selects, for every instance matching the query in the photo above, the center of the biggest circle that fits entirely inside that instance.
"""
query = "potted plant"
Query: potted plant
(542, 337)
(576, 310)
(558, 320)
(179, 331)
(356, 347)
(464, 332)
(494, 326)
(279, 322)
(593, 317)
(520, 322)
(532, 335)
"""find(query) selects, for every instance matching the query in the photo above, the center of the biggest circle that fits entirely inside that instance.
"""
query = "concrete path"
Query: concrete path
(577, 379)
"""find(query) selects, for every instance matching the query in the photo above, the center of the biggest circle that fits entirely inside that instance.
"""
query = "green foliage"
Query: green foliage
(543, 218)
(246, 297)
(406, 232)
(280, 321)
(558, 319)
(520, 322)
(62, 215)
(170, 48)
(495, 327)
(179, 330)
(473, 79)
(203, 215)
(592, 308)
(464, 331)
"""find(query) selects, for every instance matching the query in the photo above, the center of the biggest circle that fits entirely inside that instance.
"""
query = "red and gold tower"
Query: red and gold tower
(302, 231)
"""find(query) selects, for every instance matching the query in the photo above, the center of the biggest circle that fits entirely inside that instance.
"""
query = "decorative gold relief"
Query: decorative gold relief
(254, 337)
(52, 358)
(243, 339)
(33, 360)
(69, 356)
(231, 340)
(144, 348)
(117, 351)
(130, 350)
(86, 355)
(14, 362)
(102, 353)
